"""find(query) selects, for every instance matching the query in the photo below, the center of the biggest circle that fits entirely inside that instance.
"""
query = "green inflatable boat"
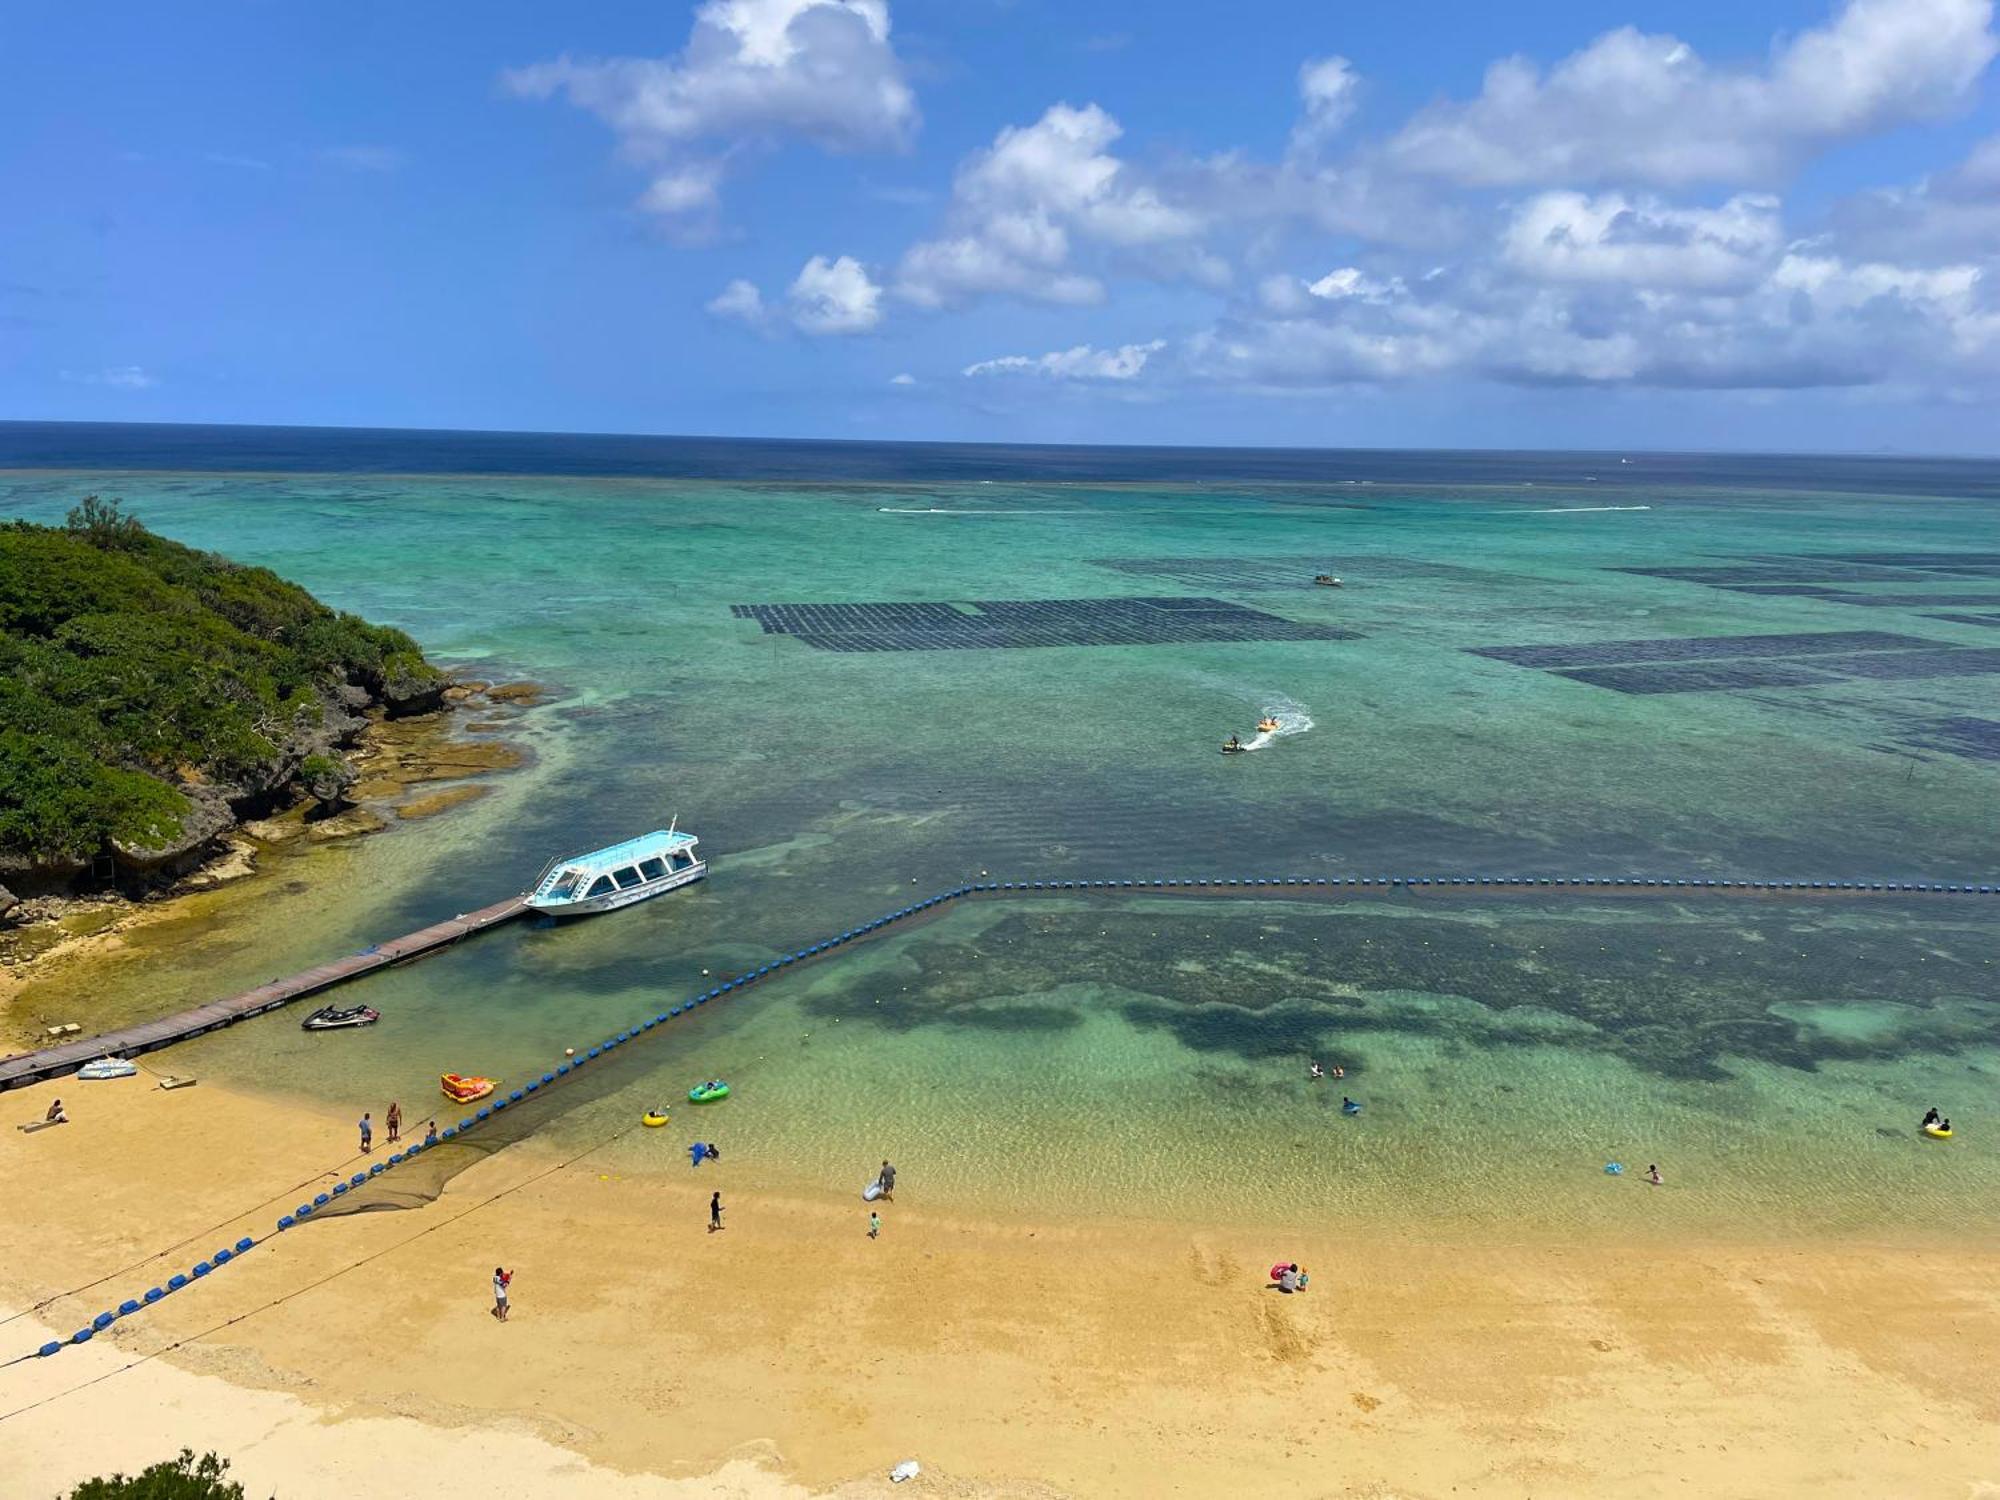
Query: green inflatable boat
(708, 1093)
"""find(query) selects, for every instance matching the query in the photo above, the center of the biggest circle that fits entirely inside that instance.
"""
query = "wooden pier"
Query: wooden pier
(54, 1062)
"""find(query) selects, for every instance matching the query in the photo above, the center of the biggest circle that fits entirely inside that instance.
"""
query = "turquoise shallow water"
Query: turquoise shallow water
(1148, 1057)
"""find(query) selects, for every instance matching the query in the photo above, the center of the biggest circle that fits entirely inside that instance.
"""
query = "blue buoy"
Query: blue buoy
(155, 1293)
(202, 1268)
(127, 1308)
(286, 1221)
(246, 1243)
(49, 1348)
(176, 1281)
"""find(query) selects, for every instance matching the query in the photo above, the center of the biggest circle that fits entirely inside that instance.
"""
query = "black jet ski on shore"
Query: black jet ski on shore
(326, 1018)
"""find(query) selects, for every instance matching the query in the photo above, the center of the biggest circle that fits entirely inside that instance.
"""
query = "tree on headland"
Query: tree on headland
(183, 1478)
(144, 683)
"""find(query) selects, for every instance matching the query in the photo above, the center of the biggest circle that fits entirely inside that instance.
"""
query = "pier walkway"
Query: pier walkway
(54, 1062)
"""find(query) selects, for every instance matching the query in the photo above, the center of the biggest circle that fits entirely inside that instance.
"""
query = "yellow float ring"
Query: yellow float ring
(651, 1119)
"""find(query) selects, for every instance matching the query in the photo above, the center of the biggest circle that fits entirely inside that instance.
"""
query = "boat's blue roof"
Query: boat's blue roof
(656, 842)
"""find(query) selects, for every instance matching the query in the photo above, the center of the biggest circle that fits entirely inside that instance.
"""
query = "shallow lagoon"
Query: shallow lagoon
(1148, 1056)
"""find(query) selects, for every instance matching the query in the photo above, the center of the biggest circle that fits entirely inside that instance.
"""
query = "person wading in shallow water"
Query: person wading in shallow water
(714, 1211)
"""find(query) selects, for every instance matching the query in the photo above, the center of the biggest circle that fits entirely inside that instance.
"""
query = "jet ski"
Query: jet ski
(326, 1018)
(1234, 746)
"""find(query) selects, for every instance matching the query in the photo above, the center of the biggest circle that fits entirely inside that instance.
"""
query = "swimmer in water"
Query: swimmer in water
(1317, 1071)
(1931, 1117)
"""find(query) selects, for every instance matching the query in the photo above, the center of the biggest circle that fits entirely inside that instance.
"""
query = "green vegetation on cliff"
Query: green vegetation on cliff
(137, 675)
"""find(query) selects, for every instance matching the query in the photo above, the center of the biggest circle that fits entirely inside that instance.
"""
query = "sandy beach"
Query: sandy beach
(790, 1355)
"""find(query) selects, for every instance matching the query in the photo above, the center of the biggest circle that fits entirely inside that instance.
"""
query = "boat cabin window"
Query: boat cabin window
(626, 878)
(682, 860)
(565, 882)
(601, 886)
(652, 869)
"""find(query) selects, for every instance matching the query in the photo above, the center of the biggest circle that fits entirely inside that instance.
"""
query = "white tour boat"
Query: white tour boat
(605, 879)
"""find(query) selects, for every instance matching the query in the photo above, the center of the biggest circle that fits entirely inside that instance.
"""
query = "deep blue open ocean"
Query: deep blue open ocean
(365, 450)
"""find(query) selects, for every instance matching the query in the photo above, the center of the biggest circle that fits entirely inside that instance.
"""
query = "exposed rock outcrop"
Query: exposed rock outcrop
(208, 818)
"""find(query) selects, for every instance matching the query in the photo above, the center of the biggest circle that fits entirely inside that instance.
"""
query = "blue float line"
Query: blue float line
(305, 1211)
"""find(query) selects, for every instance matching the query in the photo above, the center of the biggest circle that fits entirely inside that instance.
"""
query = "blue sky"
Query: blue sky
(1537, 225)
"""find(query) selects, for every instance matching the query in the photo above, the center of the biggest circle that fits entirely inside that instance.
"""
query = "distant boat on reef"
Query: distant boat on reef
(605, 879)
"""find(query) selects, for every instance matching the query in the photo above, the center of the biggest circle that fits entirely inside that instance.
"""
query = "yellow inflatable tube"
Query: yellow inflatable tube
(1936, 1134)
(654, 1118)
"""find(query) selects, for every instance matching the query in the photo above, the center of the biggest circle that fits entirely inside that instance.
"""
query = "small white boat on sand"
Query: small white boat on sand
(108, 1067)
(606, 879)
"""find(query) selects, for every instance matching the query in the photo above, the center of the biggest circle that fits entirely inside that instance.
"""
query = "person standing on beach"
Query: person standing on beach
(395, 1122)
(367, 1133)
(714, 1211)
(888, 1182)
(874, 1225)
(502, 1279)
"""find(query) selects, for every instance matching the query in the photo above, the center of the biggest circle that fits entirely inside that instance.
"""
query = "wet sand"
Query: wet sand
(1011, 1358)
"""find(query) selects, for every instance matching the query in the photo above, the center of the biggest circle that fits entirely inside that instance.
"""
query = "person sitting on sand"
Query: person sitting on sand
(1288, 1279)
(55, 1116)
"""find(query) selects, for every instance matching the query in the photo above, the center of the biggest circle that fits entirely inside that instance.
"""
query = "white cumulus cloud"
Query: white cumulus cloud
(834, 296)
(1329, 89)
(1081, 363)
(1641, 107)
(821, 71)
(1017, 207)
(1566, 236)
(740, 300)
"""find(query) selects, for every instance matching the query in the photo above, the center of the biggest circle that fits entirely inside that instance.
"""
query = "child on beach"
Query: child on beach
(1653, 1176)
(430, 1132)
(367, 1133)
(502, 1279)
(55, 1116)
(874, 1225)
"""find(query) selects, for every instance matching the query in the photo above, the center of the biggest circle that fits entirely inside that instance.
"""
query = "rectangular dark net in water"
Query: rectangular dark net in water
(1009, 624)
(1699, 677)
(1697, 648)
(1975, 739)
